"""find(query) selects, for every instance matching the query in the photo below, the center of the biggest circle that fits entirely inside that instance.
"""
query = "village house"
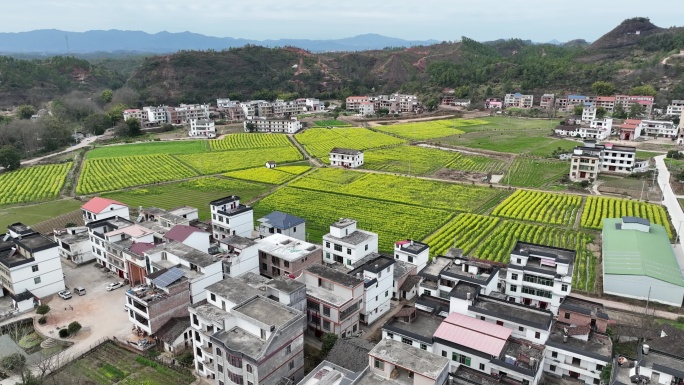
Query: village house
(240, 255)
(626, 102)
(280, 255)
(577, 352)
(204, 128)
(675, 108)
(656, 128)
(378, 275)
(346, 157)
(413, 252)
(396, 362)
(547, 101)
(346, 244)
(630, 129)
(74, 244)
(444, 273)
(518, 100)
(98, 208)
(229, 217)
(591, 159)
(494, 103)
(30, 267)
(353, 103)
(279, 222)
(366, 109)
(287, 126)
(606, 102)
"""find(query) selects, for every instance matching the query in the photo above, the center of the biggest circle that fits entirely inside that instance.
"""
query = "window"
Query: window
(34, 268)
(500, 323)
(218, 352)
(554, 354)
(36, 280)
(410, 259)
(249, 368)
(326, 311)
(326, 325)
(348, 262)
(567, 315)
(327, 244)
(290, 365)
(390, 335)
(552, 368)
(514, 276)
(423, 347)
(219, 368)
(288, 350)
(597, 381)
(263, 334)
(576, 361)
(599, 367)
(348, 251)
(337, 247)
(212, 296)
(514, 288)
(366, 248)
(520, 328)
(396, 256)
(221, 382)
(482, 367)
(537, 335)
(406, 341)
(444, 353)
(386, 293)
(379, 364)
(460, 358)
(519, 261)
(564, 287)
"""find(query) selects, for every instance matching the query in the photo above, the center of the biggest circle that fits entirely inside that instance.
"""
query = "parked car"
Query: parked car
(80, 290)
(114, 285)
(65, 294)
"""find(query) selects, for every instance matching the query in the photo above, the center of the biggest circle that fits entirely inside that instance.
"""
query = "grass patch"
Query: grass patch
(37, 213)
(648, 155)
(536, 141)
(530, 172)
(477, 163)
(423, 161)
(431, 129)
(224, 161)
(196, 193)
(152, 148)
(112, 372)
(331, 123)
(319, 141)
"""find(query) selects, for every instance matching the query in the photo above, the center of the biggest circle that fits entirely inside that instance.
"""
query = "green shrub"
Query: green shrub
(42, 320)
(74, 327)
(42, 309)
(186, 359)
(63, 333)
(680, 319)
(112, 372)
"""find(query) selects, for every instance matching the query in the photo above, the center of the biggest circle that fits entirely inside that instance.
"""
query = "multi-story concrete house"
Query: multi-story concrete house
(140, 115)
(229, 217)
(186, 113)
(394, 362)
(157, 115)
(606, 102)
(657, 128)
(240, 255)
(288, 126)
(74, 244)
(444, 273)
(280, 255)
(285, 290)
(591, 159)
(588, 112)
(279, 222)
(366, 109)
(346, 244)
(596, 129)
(413, 327)
(191, 236)
(630, 129)
(494, 103)
(585, 163)
(675, 108)
(204, 128)
(539, 275)
(413, 252)
(626, 102)
(378, 275)
(547, 101)
(353, 103)
(244, 338)
(518, 100)
(99, 208)
(578, 353)
(346, 157)
(575, 100)
(582, 312)
(561, 103)
(30, 267)
(404, 274)
(334, 300)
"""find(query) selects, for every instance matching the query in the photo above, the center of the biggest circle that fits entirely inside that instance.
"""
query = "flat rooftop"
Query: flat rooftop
(532, 250)
(267, 311)
(242, 341)
(435, 268)
(70, 239)
(334, 275)
(286, 248)
(187, 253)
(356, 238)
(411, 246)
(210, 312)
(35, 242)
(663, 363)
(233, 289)
(374, 265)
(422, 328)
(327, 295)
(410, 358)
(464, 290)
(237, 241)
(402, 268)
(582, 306)
(598, 346)
(510, 311)
(285, 284)
(523, 351)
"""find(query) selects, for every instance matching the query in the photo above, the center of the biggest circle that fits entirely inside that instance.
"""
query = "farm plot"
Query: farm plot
(319, 141)
(509, 141)
(151, 148)
(531, 172)
(430, 129)
(537, 206)
(598, 208)
(391, 188)
(33, 183)
(464, 232)
(477, 163)
(278, 175)
(411, 160)
(217, 162)
(109, 364)
(331, 123)
(249, 141)
(196, 193)
(107, 174)
(392, 221)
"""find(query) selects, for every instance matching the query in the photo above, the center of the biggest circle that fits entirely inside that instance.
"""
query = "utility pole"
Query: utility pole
(641, 197)
(648, 299)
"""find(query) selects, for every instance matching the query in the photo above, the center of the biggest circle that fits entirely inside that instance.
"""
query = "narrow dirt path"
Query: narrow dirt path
(301, 149)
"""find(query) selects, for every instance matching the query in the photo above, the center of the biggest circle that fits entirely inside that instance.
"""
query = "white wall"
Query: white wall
(378, 296)
(587, 369)
(198, 241)
(211, 274)
(350, 253)
(240, 224)
(49, 272)
(248, 261)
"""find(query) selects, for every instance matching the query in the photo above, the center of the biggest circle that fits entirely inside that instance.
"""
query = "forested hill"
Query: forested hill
(623, 57)
(36, 81)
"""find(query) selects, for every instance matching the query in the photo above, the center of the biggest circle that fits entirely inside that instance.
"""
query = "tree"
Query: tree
(600, 112)
(42, 309)
(328, 340)
(619, 112)
(646, 90)
(106, 95)
(577, 110)
(605, 374)
(116, 113)
(601, 88)
(635, 110)
(13, 363)
(74, 327)
(10, 157)
(250, 127)
(97, 124)
(63, 333)
(134, 128)
(25, 111)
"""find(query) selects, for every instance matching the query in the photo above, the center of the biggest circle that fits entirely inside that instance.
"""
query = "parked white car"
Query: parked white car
(65, 294)
(114, 285)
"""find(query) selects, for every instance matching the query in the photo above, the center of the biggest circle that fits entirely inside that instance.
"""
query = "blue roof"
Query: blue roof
(281, 220)
(576, 97)
(518, 95)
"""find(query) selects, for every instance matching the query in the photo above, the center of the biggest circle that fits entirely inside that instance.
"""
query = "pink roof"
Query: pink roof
(402, 242)
(357, 97)
(606, 98)
(473, 333)
(140, 248)
(97, 204)
(181, 232)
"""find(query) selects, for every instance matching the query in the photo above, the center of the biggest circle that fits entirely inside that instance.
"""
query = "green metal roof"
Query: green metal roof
(634, 252)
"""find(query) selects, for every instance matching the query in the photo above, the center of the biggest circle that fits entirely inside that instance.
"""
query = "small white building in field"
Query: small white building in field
(103, 208)
(346, 157)
(202, 128)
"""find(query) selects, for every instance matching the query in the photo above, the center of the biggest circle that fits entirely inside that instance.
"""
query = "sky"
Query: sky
(535, 20)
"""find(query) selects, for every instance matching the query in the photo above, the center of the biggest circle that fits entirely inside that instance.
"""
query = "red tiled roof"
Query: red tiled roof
(181, 232)
(97, 204)
(578, 330)
(473, 333)
(141, 247)
(606, 98)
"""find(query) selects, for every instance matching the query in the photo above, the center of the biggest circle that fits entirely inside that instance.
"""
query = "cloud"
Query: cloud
(539, 20)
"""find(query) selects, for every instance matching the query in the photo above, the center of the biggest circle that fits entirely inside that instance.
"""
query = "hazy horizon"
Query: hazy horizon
(535, 20)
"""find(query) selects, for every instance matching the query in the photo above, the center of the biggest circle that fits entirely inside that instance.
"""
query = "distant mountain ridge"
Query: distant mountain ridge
(52, 41)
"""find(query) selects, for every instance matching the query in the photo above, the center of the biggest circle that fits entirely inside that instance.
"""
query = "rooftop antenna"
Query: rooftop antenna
(67, 43)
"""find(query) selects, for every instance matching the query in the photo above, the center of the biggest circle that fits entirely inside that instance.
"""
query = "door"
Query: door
(628, 136)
